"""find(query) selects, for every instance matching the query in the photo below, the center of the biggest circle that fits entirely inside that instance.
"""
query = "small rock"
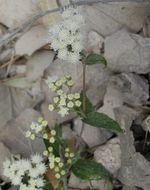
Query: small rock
(95, 42)
(26, 98)
(107, 18)
(129, 188)
(109, 155)
(134, 88)
(112, 99)
(14, 13)
(5, 104)
(92, 136)
(31, 41)
(13, 134)
(37, 64)
(127, 52)
(5, 154)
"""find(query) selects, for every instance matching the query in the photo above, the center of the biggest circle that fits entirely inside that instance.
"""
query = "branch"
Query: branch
(27, 25)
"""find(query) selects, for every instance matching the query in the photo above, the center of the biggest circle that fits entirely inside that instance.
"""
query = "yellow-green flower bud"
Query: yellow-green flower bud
(53, 132)
(51, 107)
(52, 140)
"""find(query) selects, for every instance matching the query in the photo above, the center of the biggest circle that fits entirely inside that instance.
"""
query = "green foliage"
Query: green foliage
(89, 107)
(48, 186)
(94, 58)
(101, 120)
(57, 142)
(90, 170)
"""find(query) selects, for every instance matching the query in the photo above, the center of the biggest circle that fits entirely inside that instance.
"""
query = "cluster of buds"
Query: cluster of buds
(36, 128)
(63, 102)
(69, 156)
(51, 137)
(55, 163)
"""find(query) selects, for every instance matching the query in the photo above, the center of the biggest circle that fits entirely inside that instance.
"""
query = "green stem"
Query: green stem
(65, 177)
(84, 94)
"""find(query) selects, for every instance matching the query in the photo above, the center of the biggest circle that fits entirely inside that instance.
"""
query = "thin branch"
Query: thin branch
(27, 25)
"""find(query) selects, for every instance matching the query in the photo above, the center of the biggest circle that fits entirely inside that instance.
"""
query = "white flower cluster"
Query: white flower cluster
(51, 137)
(28, 174)
(69, 155)
(66, 37)
(63, 102)
(36, 128)
(55, 163)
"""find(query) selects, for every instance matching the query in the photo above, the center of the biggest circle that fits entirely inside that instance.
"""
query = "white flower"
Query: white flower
(70, 104)
(28, 174)
(52, 140)
(78, 103)
(66, 37)
(76, 95)
(51, 107)
(62, 102)
(63, 111)
(28, 134)
(16, 180)
(53, 132)
(23, 187)
(40, 182)
(42, 168)
(32, 137)
(73, 57)
(62, 54)
(56, 100)
(36, 158)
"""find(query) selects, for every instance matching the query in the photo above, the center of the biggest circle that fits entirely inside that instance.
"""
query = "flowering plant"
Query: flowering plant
(59, 157)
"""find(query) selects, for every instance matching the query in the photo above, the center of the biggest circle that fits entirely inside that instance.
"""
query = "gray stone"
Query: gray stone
(31, 41)
(126, 52)
(109, 155)
(5, 105)
(13, 134)
(5, 154)
(134, 88)
(107, 18)
(14, 13)
(37, 65)
(135, 169)
(92, 136)
(129, 188)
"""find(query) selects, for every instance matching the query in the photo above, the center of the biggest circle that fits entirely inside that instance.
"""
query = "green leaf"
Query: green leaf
(88, 105)
(109, 185)
(56, 144)
(95, 59)
(101, 120)
(48, 186)
(90, 170)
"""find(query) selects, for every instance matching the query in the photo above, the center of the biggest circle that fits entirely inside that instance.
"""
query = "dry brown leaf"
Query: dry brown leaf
(50, 175)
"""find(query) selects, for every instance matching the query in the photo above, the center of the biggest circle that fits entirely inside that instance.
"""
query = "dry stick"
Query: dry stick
(27, 25)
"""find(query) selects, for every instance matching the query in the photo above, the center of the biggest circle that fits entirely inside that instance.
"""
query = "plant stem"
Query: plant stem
(65, 177)
(84, 94)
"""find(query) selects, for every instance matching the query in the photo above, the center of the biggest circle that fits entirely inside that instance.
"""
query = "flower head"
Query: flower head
(66, 37)
(28, 174)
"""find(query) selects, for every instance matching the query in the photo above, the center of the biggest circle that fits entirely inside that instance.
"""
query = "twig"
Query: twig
(27, 25)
